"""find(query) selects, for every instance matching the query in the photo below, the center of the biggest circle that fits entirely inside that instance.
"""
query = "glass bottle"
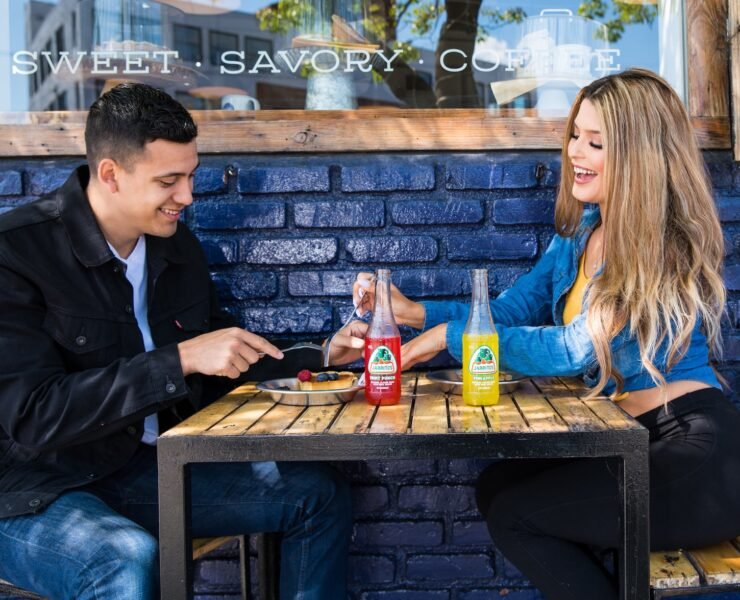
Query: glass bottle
(480, 347)
(383, 347)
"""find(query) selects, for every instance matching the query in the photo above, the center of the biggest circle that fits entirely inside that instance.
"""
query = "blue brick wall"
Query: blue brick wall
(285, 236)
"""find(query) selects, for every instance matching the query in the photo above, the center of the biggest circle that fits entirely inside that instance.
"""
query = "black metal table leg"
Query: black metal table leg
(634, 554)
(174, 522)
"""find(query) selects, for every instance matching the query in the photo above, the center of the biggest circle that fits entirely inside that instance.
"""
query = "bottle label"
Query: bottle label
(382, 362)
(483, 361)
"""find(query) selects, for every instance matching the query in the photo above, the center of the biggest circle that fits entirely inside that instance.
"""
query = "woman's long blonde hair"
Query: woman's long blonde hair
(663, 243)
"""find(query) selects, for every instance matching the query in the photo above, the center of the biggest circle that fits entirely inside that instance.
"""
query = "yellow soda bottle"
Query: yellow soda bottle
(480, 372)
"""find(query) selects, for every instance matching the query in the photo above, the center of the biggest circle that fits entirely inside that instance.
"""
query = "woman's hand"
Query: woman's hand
(405, 311)
(348, 343)
(424, 347)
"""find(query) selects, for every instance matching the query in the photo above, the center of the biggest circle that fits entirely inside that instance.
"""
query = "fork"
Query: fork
(299, 346)
(346, 322)
(331, 339)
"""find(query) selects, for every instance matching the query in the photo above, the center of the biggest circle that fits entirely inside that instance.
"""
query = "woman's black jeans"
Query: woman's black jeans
(548, 516)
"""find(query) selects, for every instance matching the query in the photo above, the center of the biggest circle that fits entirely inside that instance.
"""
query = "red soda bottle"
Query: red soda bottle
(383, 347)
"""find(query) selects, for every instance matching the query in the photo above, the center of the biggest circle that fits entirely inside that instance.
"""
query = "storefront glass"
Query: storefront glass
(506, 57)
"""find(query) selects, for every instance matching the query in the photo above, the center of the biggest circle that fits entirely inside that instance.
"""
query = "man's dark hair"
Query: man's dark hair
(129, 116)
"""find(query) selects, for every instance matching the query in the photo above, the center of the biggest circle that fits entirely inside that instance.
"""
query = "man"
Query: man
(110, 331)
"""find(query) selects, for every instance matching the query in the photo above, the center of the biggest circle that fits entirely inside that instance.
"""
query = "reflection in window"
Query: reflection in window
(187, 42)
(323, 54)
(127, 24)
(253, 46)
(219, 43)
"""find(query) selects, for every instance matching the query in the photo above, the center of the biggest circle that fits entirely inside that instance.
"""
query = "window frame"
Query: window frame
(383, 129)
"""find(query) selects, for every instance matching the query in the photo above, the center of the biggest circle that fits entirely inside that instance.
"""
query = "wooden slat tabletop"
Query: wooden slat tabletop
(537, 405)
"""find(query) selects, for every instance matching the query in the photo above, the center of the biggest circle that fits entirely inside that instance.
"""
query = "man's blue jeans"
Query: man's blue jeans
(99, 542)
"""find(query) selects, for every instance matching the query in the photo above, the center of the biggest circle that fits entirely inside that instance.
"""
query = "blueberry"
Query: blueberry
(323, 377)
(333, 376)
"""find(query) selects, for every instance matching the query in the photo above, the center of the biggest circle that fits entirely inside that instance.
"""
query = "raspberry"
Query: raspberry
(304, 375)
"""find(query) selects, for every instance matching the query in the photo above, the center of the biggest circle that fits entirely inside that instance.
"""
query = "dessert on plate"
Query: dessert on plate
(326, 380)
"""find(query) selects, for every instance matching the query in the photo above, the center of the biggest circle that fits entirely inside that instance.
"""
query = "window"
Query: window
(253, 46)
(504, 58)
(61, 46)
(187, 42)
(219, 43)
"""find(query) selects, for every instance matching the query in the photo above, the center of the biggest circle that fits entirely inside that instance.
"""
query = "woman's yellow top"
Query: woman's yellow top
(574, 297)
(574, 302)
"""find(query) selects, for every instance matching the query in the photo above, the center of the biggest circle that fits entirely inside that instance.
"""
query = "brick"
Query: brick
(293, 319)
(729, 209)
(474, 175)
(470, 533)
(441, 498)
(406, 595)
(368, 569)
(216, 575)
(392, 249)
(501, 279)
(368, 214)
(289, 252)
(245, 284)
(387, 176)
(215, 214)
(320, 283)
(369, 499)
(47, 179)
(503, 593)
(209, 180)
(424, 283)
(220, 251)
(552, 174)
(449, 567)
(720, 173)
(465, 468)
(516, 211)
(11, 183)
(418, 212)
(732, 278)
(519, 175)
(398, 533)
(276, 180)
(732, 347)
(495, 246)
(733, 313)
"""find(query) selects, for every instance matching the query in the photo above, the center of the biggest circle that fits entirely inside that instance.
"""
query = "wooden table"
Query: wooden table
(542, 418)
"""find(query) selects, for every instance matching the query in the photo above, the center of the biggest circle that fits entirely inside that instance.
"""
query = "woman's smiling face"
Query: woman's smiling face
(586, 155)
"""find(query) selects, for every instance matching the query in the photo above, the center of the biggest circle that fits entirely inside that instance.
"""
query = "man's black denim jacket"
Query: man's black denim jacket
(75, 381)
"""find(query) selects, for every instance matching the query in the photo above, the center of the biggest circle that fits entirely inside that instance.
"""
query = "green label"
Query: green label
(483, 361)
(382, 362)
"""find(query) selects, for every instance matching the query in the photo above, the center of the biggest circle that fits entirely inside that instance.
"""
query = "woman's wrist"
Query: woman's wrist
(414, 316)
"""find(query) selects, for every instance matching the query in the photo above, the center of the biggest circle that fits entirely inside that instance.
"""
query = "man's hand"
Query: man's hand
(224, 352)
(424, 347)
(405, 311)
(348, 343)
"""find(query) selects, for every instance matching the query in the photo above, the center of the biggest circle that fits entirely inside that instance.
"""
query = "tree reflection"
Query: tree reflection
(460, 24)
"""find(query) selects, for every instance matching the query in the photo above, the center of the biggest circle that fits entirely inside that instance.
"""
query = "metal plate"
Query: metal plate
(297, 397)
(450, 381)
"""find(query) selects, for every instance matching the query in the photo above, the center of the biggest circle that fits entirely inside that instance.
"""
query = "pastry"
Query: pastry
(326, 380)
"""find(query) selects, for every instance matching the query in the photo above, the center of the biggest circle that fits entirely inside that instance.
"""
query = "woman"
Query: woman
(628, 295)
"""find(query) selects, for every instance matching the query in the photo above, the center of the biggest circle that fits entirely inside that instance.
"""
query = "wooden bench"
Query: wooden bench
(704, 571)
(268, 562)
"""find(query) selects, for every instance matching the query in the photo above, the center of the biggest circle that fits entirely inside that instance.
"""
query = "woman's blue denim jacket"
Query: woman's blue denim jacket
(529, 344)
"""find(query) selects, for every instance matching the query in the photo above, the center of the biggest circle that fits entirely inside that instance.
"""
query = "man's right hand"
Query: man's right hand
(224, 352)
(405, 311)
